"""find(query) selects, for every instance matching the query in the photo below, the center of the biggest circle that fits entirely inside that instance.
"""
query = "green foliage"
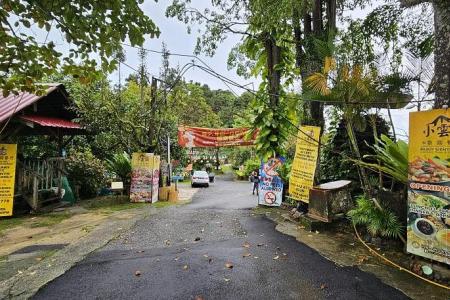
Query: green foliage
(188, 105)
(379, 222)
(392, 157)
(285, 171)
(86, 171)
(120, 165)
(250, 165)
(87, 27)
(336, 151)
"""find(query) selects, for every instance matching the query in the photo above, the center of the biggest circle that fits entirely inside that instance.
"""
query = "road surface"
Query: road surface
(213, 248)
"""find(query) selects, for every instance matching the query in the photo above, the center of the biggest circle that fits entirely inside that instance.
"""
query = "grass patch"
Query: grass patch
(50, 220)
(110, 203)
(161, 204)
(10, 223)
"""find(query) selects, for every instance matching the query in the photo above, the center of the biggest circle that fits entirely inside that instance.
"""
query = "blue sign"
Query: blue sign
(270, 183)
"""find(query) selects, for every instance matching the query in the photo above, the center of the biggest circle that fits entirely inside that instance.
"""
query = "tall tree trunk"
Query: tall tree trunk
(442, 52)
(317, 18)
(441, 49)
(273, 75)
(297, 38)
(316, 108)
(331, 16)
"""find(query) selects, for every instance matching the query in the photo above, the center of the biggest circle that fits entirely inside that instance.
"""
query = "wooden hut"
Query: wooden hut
(39, 180)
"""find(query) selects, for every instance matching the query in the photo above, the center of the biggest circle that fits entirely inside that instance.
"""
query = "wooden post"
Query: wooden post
(35, 200)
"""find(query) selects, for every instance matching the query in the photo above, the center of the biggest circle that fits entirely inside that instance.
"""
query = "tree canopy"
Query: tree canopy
(88, 27)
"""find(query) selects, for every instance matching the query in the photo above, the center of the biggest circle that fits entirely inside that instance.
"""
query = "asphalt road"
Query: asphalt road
(213, 248)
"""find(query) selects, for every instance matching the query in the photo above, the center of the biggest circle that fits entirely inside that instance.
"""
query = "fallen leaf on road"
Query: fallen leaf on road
(229, 265)
(185, 267)
(32, 273)
(362, 258)
(352, 244)
(323, 286)
(246, 245)
(246, 255)
(276, 257)
(137, 273)
(38, 258)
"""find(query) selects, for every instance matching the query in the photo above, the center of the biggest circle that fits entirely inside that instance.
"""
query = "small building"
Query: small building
(39, 180)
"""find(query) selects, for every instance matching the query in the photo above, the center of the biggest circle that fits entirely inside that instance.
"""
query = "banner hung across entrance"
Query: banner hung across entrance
(191, 137)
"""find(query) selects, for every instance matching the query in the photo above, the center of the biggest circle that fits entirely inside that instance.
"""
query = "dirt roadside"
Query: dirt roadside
(35, 250)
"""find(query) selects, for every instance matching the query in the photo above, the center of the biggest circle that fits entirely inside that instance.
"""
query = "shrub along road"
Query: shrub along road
(213, 248)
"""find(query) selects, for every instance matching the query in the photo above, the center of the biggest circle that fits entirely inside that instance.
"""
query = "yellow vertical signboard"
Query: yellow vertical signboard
(428, 228)
(8, 154)
(141, 177)
(304, 164)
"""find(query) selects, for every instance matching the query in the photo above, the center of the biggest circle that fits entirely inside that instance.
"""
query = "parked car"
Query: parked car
(200, 178)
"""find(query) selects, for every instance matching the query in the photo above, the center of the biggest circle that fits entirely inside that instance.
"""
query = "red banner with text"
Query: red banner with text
(191, 137)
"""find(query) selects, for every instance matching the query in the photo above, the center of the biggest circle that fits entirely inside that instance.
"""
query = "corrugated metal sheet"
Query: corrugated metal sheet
(12, 104)
(51, 122)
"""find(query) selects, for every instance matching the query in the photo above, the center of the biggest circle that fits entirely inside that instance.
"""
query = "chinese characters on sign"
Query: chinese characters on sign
(428, 228)
(270, 184)
(141, 177)
(8, 153)
(191, 137)
(304, 164)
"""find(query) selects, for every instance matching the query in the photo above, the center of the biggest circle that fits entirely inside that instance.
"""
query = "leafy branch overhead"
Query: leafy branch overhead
(87, 27)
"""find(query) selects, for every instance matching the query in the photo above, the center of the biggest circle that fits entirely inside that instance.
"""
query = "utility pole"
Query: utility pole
(168, 160)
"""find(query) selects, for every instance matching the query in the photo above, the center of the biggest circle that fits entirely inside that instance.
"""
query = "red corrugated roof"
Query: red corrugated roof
(51, 122)
(12, 104)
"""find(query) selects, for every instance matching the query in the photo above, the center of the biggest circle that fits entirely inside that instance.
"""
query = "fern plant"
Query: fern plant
(378, 221)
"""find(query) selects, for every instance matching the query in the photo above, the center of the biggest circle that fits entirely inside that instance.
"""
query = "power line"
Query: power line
(244, 87)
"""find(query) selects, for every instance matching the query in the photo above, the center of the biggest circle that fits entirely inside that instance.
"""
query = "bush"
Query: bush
(120, 165)
(86, 171)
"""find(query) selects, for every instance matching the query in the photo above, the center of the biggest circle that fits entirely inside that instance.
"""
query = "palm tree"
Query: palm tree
(351, 88)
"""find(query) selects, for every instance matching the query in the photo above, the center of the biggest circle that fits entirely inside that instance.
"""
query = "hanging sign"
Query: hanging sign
(155, 182)
(191, 137)
(428, 228)
(305, 163)
(8, 154)
(141, 177)
(270, 184)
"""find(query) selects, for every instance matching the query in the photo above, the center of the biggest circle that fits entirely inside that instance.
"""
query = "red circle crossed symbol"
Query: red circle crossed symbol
(270, 198)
